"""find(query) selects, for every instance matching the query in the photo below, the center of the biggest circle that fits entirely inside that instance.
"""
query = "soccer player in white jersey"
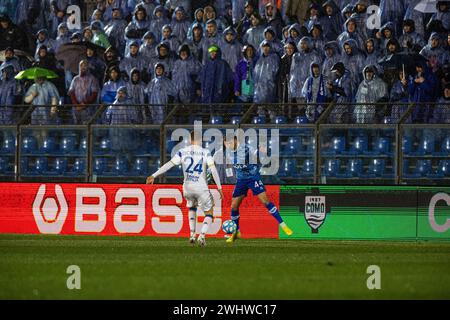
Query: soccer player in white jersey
(195, 160)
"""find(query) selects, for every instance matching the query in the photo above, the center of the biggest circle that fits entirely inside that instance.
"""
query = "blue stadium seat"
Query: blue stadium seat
(443, 170)
(307, 168)
(259, 120)
(445, 148)
(29, 145)
(387, 120)
(407, 144)
(83, 146)
(376, 168)
(288, 168)
(41, 165)
(105, 146)
(48, 145)
(331, 168)
(382, 146)
(423, 168)
(301, 120)
(79, 166)
(175, 172)
(140, 166)
(68, 144)
(426, 146)
(293, 146)
(359, 146)
(120, 166)
(280, 120)
(311, 146)
(337, 147)
(24, 169)
(9, 145)
(100, 165)
(235, 120)
(216, 120)
(405, 167)
(60, 165)
(354, 169)
(3, 165)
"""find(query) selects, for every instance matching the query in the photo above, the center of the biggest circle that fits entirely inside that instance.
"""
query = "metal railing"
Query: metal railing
(129, 152)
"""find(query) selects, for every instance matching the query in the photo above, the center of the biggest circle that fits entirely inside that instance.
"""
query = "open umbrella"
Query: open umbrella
(426, 6)
(72, 53)
(34, 73)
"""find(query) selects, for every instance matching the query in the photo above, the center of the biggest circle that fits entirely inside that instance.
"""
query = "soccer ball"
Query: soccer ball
(229, 227)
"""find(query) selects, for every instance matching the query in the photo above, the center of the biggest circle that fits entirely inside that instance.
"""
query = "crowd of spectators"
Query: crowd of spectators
(268, 51)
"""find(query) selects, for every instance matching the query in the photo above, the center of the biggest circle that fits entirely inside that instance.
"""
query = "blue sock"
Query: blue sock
(235, 217)
(274, 211)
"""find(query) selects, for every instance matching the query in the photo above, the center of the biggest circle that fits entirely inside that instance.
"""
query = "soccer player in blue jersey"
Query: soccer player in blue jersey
(248, 177)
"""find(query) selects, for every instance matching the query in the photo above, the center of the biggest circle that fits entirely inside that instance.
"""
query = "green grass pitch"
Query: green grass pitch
(34, 267)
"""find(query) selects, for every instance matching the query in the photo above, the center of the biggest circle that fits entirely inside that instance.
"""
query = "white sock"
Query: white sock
(192, 222)
(283, 224)
(206, 224)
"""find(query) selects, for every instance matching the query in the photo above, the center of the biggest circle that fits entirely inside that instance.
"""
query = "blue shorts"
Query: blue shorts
(242, 186)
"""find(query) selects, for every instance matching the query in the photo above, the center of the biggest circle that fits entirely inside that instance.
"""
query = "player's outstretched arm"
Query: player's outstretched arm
(166, 167)
(216, 178)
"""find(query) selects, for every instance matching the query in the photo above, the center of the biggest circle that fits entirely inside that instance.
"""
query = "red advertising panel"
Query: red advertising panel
(115, 209)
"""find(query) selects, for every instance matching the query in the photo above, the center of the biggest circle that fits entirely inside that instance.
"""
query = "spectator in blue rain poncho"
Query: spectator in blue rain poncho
(265, 75)
(275, 44)
(422, 88)
(331, 21)
(436, 54)
(273, 19)
(211, 38)
(441, 112)
(63, 36)
(332, 56)
(347, 11)
(353, 60)
(111, 4)
(442, 14)
(305, 56)
(341, 91)
(180, 24)
(198, 19)
(9, 91)
(216, 78)
(295, 33)
(417, 16)
(317, 38)
(255, 35)
(43, 94)
(159, 20)
(160, 91)
(122, 112)
(410, 40)
(351, 32)
(148, 46)
(399, 97)
(109, 90)
(136, 89)
(96, 64)
(115, 30)
(314, 14)
(134, 59)
(185, 75)
(171, 6)
(238, 7)
(196, 43)
(230, 47)
(361, 17)
(165, 58)
(245, 21)
(44, 39)
(372, 55)
(371, 90)
(169, 38)
(97, 15)
(137, 27)
(392, 11)
(386, 33)
(11, 60)
(315, 93)
(148, 5)
(83, 92)
(211, 14)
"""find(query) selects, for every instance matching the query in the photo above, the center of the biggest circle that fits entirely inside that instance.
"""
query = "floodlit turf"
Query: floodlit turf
(168, 268)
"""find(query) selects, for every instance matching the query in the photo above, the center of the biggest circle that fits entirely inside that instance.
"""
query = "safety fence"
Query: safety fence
(398, 144)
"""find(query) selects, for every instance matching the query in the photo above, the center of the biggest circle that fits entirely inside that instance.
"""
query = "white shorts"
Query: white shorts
(202, 200)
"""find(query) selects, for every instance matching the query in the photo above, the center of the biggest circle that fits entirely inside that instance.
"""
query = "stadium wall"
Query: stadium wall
(313, 212)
